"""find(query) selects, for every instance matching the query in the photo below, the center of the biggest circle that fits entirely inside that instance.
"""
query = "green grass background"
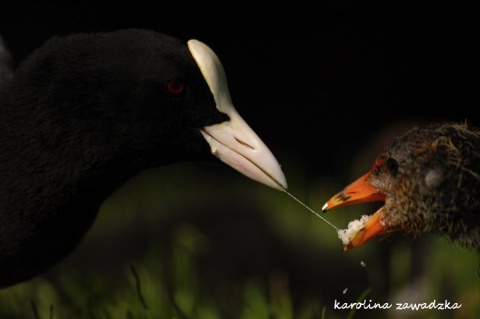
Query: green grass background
(198, 240)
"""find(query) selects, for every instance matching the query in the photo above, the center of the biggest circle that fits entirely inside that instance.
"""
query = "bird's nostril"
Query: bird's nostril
(244, 144)
(343, 197)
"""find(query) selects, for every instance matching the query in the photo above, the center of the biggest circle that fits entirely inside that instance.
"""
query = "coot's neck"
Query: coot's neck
(49, 197)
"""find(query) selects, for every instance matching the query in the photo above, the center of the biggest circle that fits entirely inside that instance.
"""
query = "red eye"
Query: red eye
(175, 87)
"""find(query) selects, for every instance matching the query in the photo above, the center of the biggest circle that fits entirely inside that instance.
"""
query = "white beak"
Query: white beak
(233, 141)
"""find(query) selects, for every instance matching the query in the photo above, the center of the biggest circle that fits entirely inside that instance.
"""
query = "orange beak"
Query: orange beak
(360, 191)
(372, 228)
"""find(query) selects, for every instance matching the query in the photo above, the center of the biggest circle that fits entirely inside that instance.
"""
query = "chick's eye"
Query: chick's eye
(175, 87)
(392, 166)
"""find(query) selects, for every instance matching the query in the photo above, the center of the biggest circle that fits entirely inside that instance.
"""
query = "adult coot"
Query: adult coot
(84, 113)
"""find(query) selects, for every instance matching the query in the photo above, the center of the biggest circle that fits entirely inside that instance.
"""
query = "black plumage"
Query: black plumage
(82, 115)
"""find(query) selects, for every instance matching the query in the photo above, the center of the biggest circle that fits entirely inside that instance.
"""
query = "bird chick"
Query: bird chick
(429, 179)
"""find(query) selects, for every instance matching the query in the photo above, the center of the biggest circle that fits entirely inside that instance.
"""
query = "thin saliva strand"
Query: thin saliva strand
(319, 216)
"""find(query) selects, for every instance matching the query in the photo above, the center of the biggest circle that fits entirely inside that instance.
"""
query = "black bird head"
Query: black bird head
(151, 92)
(86, 112)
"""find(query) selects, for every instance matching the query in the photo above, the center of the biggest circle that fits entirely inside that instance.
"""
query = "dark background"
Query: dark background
(325, 86)
(314, 81)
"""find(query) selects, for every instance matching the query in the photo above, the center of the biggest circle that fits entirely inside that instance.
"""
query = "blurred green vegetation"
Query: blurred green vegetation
(198, 240)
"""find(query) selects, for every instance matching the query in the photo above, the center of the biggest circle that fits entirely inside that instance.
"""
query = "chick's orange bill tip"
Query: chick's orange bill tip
(325, 208)
(360, 191)
(373, 227)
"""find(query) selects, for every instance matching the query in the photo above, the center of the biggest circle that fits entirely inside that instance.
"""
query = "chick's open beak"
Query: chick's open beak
(372, 228)
(360, 191)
